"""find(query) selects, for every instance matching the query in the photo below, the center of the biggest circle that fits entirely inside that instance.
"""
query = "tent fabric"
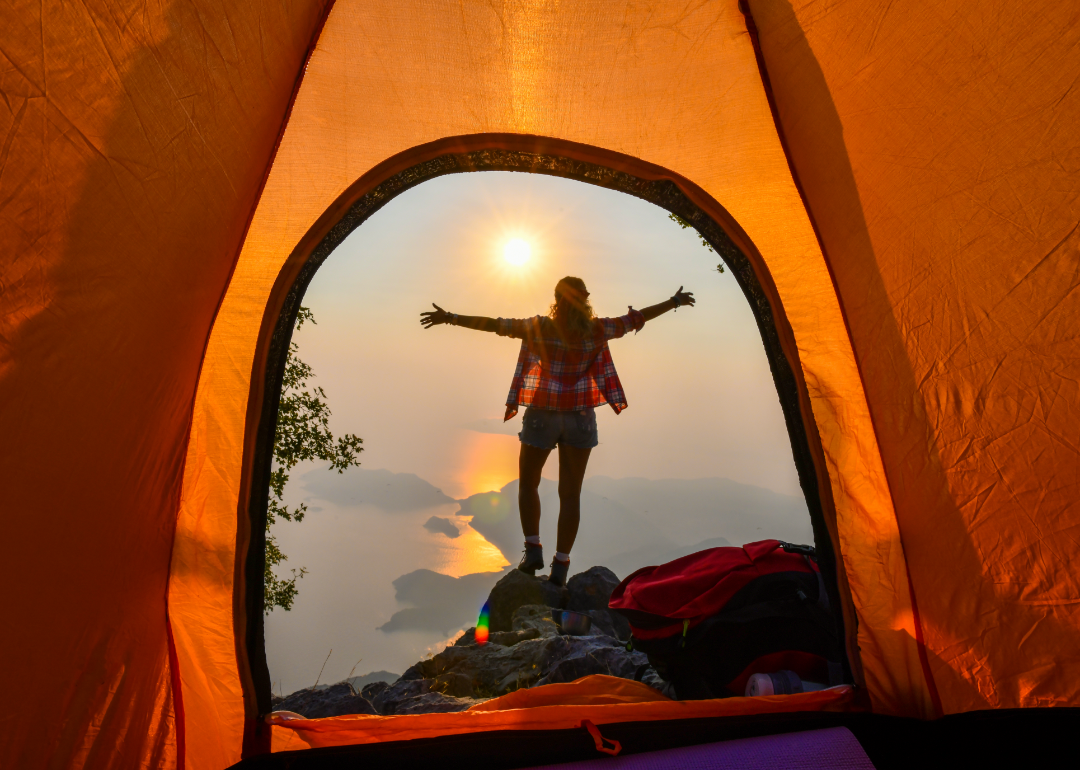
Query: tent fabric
(939, 149)
(904, 174)
(297, 734)
(594, 690)
(134, 139)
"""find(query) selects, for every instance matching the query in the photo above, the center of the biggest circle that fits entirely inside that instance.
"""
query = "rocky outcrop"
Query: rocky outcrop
(332, 701)
(591, 589)
(516, 589)
(538, 654)
(524, 649)
(589, 592)
(414, 696)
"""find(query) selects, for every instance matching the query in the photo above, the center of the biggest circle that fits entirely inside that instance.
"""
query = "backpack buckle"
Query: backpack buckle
(804, 550)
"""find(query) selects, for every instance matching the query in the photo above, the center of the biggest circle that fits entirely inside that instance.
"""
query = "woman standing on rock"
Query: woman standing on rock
(564, 371)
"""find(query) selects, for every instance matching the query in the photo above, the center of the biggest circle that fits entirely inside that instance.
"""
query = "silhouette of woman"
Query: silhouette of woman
(564, 371)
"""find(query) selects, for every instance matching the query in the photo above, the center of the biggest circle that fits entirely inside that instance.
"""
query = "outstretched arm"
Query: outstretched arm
(440, 316)
(678, 299)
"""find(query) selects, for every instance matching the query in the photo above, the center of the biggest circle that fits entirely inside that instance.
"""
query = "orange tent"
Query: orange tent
(896, 186)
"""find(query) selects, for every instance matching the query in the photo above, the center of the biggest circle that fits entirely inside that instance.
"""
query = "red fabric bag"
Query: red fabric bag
(711, 619)
(656, 600)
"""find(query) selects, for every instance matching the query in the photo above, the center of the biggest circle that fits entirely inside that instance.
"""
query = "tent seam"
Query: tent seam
(759, 55)
(178, 693)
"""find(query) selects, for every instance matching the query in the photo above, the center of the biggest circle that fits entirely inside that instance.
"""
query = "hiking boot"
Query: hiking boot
(532, 560)
(558, 572)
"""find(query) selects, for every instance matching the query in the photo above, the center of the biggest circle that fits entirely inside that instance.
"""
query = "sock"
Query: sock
(562, 556)
(533, 540)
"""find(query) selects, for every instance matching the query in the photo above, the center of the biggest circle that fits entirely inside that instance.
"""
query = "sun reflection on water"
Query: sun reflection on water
(466, 554)
(485, 462)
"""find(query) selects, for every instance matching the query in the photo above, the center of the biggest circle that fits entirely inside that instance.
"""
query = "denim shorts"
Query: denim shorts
(544, 428)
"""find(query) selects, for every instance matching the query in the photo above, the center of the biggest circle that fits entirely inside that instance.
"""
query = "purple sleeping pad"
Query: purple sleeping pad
(832, 749)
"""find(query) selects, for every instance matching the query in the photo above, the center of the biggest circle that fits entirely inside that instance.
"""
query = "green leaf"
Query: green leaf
(303, 433)
(685, 225)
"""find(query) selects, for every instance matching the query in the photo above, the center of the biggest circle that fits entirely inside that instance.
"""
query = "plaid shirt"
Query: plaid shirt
(565, 375)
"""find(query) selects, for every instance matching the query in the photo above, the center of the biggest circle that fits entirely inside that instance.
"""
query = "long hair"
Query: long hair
(571, 311)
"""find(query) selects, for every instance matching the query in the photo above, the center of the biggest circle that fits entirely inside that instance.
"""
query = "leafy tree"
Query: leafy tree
(303, 433)
(684, 225)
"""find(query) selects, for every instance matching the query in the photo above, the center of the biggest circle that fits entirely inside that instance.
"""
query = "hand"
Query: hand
(434, 317)
(684, 297)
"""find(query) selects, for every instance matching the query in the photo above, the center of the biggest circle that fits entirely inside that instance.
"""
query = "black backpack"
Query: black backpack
(710, 620)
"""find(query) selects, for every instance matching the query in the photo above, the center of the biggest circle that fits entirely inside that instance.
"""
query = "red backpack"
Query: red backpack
(710, 620)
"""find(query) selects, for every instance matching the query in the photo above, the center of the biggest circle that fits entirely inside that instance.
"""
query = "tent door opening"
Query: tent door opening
(748, 271)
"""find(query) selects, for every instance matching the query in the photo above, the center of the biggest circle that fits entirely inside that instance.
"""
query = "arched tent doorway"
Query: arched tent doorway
(783, 360)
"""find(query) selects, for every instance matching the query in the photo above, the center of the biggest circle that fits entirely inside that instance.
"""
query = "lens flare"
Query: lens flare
(482, 624)
(517, 252)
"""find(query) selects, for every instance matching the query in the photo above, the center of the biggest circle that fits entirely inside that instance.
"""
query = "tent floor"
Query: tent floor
(1020, 737)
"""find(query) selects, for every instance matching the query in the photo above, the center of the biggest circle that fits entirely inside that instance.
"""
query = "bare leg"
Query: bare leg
(572, 462)
(530, 464)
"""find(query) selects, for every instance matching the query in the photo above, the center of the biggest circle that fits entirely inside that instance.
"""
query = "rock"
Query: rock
(601, 623)
(401, 690)
(524, 649)
(590, 592)
(454, 684)
(492, 670)
(373, 690)
(613, 661)
(591, 589)
(516, 589)
(510, 638)
(655, 681)
(415, 671)
(516, 680)
(536, 616)
(449, 692)
(332, 701)
(504, 638)
(432, 703)
(610, 624)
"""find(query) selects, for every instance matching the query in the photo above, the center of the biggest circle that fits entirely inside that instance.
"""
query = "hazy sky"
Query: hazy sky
(430, 402)
(702, 405)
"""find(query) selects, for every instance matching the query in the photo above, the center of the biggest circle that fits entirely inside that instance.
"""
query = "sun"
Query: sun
(517, 252)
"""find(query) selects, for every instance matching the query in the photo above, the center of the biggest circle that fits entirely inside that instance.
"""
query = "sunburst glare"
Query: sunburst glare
(517, 252)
